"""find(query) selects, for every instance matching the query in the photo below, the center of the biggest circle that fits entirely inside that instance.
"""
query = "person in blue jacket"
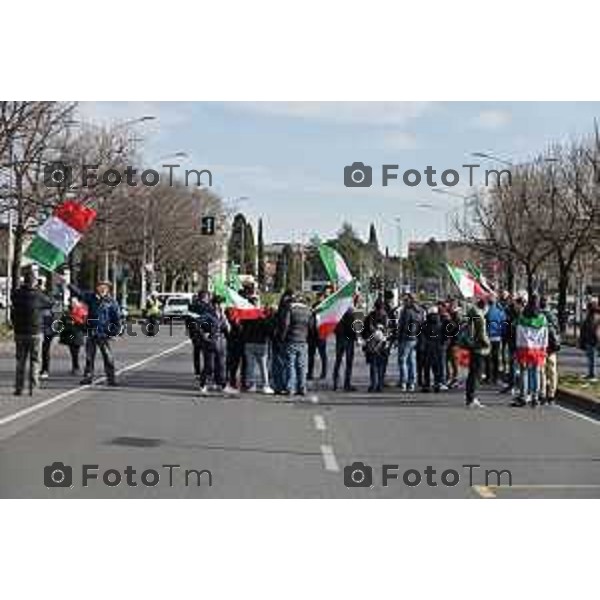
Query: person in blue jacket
(104, 323)
(495, 319)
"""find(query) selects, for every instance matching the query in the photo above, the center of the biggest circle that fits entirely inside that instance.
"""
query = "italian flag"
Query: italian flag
(332, 309)
(237, 306)
(532, 340)
(467, 284)
(58, 235)
(336, 267)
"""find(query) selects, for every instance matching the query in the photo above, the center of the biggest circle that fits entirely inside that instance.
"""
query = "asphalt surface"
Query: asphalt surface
(255, 446)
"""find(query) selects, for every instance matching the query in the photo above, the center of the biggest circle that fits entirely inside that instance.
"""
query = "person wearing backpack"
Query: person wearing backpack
(549, 382)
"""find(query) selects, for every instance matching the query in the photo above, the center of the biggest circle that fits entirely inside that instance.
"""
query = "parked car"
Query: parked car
(175, 306)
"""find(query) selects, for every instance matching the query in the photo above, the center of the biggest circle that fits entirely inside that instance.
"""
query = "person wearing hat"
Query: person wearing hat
(104, 323)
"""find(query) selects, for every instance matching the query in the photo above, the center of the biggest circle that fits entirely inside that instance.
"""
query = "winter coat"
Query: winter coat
(104, 314)
(496, 322)
(28, 308)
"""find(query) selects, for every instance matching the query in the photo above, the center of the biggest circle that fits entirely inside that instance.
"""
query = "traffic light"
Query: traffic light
(207, 226)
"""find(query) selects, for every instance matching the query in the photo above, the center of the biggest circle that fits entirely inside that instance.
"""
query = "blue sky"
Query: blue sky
(288, 158)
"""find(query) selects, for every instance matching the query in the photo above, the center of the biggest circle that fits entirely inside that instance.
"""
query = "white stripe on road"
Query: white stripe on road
(329, 458)
(578, 414)
(319, 423)
(35, 407)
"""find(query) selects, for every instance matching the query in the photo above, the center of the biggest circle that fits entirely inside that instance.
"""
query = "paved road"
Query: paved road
(258, 446)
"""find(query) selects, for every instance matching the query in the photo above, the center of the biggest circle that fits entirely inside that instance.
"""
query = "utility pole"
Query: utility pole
(400, 270)
(10, 247)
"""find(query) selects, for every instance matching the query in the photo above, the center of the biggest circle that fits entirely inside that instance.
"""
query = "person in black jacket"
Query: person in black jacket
(198, 324)
(408, 331)
(345, 340)
(28, 304)
(316, 344)
(375, 334)
(256, 334)
(296, 318)
(434, 341)
(278, 368)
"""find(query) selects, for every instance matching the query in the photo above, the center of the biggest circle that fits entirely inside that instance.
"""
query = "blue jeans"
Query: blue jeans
(591, 358)
(377, 363)
(256, 353)
(530, 382)
(279, 368)
(295, 360)
(407, 361)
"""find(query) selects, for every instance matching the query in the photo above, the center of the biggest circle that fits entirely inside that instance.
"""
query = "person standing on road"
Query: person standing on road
(531, 344)
(200, 310)
(278, 364)
(435, 350)
(495, 319)
(72, 332)
(549, 383)
(345, 341)
(589, 337)
(49, 333)
(474, 338)
(295, 337)
(28, 303)
(316, 344)
(256, 334)
(104, 323)
(409, 329)
(376, 345)
(152, 314)
(215, 349)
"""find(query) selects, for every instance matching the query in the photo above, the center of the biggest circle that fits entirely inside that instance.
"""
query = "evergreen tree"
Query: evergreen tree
(261, 256)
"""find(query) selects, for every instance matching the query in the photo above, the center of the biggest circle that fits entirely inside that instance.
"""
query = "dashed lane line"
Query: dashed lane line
(319, 422)
(329, 458)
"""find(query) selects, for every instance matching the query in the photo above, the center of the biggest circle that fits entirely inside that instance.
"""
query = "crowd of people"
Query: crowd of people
(507, 341)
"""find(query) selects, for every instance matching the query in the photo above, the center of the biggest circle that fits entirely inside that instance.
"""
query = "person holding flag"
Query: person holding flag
(104, 323)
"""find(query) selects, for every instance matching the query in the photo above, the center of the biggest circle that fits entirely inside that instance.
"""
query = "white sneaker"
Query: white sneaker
(475, 404)
(203, 391)
(44, 375)
(411, 387)
(443, 388)
(230, 391)
(252, 389)
(268, 390)
(402, 387)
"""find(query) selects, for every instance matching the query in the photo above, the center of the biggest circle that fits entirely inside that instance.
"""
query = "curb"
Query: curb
(579, 401)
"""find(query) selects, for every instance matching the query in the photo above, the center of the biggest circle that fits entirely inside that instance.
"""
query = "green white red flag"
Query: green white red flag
(332, 309)
(238, 307)
(336, 267)
(59, 234)
(467, 284)
(532, 340)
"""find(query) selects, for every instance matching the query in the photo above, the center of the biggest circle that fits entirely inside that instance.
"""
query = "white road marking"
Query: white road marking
(320, 423)
(35, 407)
(329, 459)
(579, 415)
(490, 491)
